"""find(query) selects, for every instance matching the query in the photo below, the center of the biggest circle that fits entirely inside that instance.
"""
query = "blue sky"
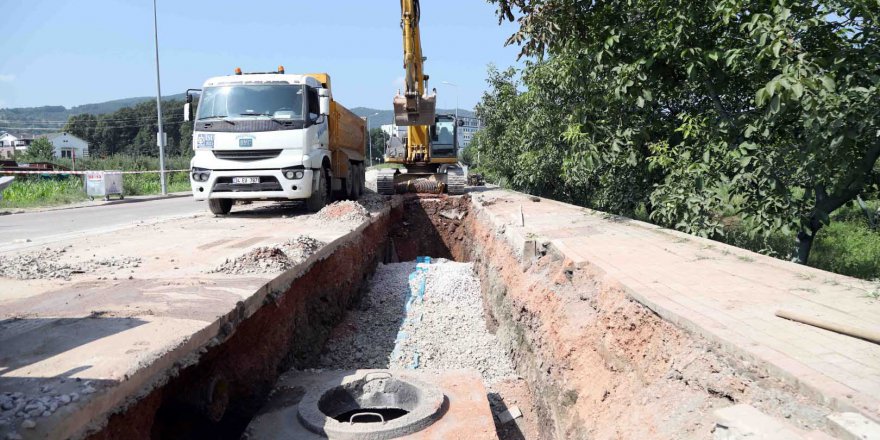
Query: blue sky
(78, 52)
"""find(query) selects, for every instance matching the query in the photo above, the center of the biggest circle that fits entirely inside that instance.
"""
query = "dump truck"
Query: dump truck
(274, 136)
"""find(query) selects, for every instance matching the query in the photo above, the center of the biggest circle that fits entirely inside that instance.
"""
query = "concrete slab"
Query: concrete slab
(741, 422)
(467, 415)
(725, 294)
(73, 351)
(853, 426)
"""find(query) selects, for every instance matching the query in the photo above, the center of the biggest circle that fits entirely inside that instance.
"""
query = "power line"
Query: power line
(49, 121)
(109, 126)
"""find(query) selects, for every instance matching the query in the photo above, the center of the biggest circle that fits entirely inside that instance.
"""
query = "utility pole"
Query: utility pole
(370, 136)
(160, 137)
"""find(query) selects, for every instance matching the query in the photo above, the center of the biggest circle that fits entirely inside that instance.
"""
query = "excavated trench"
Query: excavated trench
(592, 362)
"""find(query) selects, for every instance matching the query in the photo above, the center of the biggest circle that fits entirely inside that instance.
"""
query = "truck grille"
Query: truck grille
(246, 155)
(267, 183)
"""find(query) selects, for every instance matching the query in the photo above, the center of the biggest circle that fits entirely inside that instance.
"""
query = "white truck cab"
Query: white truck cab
(266, 136)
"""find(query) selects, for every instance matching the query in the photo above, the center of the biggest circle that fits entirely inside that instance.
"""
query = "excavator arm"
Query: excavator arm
(414, 107)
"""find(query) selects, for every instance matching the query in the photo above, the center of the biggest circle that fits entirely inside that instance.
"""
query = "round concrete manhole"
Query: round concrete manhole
(374, 405)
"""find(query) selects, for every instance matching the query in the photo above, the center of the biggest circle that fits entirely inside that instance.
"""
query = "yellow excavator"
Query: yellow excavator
(429, 152)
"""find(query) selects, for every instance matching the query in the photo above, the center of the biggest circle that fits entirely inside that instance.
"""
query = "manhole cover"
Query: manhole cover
(374, 405)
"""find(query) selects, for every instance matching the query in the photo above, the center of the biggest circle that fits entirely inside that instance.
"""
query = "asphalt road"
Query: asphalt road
(47, 226)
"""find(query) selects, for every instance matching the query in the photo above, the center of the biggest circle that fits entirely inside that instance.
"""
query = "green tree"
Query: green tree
(40, 150)
(692, 110)
(379, 140)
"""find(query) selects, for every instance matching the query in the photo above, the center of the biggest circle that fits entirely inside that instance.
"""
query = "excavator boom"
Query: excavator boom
(414, 107)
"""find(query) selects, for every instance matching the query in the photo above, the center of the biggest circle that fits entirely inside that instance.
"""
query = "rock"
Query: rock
(28, 424)
(510, 414)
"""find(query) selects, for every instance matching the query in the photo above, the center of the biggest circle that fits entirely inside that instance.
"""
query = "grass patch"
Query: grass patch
(33, 192)
(848, 247)
(385, 165)
(37, 191)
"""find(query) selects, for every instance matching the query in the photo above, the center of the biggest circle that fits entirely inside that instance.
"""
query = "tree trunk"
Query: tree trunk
(804, 246)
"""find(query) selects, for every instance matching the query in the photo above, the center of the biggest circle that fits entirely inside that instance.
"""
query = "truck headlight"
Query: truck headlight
(200, 174)
(293, 173)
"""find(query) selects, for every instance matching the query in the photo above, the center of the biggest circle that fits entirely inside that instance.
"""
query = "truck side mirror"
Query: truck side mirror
(187, 106)
(460, 122)
(324, 102)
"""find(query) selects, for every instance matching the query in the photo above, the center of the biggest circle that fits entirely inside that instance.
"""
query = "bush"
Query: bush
(849, 248)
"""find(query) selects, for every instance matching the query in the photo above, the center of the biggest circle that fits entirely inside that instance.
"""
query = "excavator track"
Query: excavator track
(385, 182)
(455, 181)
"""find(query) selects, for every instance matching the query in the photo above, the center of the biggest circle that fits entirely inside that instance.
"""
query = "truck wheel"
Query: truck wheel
(358, 178)
(362, 177)
(320, 195)
(351, 182)
(220, 206)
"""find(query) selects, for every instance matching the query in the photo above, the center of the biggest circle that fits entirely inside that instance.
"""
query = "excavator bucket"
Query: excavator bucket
(414, 110)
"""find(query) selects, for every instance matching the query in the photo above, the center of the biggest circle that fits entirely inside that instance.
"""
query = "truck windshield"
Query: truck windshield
(241, 101)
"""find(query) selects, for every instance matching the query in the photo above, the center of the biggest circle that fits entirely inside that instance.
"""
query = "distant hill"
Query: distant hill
(51, 118)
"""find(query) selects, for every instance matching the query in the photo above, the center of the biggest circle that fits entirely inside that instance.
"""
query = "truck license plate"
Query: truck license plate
(245, 180)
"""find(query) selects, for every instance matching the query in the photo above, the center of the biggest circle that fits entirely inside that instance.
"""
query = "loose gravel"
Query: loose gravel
(271, 259)
(445, 330)
(373, 202)
(23, 412)
(347, 212)
(53, 263)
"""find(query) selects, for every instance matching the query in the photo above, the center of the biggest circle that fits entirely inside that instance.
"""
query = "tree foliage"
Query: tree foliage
(691, 111)
(379, 140)
(132, 130)
(40, 150)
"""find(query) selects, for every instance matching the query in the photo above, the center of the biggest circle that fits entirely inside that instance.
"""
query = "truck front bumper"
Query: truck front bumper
(273, 185)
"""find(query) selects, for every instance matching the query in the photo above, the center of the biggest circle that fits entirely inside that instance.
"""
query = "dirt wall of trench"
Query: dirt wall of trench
(600, 364)
(287, 332)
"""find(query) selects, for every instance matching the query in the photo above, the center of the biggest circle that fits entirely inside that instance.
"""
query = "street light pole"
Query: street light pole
(160, 138)
(456, 98)
(370, 136)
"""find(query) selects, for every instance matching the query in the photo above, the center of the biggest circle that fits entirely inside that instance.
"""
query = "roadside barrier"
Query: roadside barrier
(81, 173)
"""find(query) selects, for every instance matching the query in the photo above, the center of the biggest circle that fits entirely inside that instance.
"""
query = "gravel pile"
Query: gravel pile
(271, 259)
(373, 202)
(444, 330)
(22, 412)
(348, 212)
(301, 247)
(51, 263)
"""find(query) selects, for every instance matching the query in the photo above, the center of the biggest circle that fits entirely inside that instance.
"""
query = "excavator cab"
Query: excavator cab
(444, 136)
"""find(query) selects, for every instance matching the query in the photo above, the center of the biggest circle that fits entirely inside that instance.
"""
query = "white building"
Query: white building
(12, 144)
(7, 145)
(466, 132)
(391, 129)
(67, 145)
